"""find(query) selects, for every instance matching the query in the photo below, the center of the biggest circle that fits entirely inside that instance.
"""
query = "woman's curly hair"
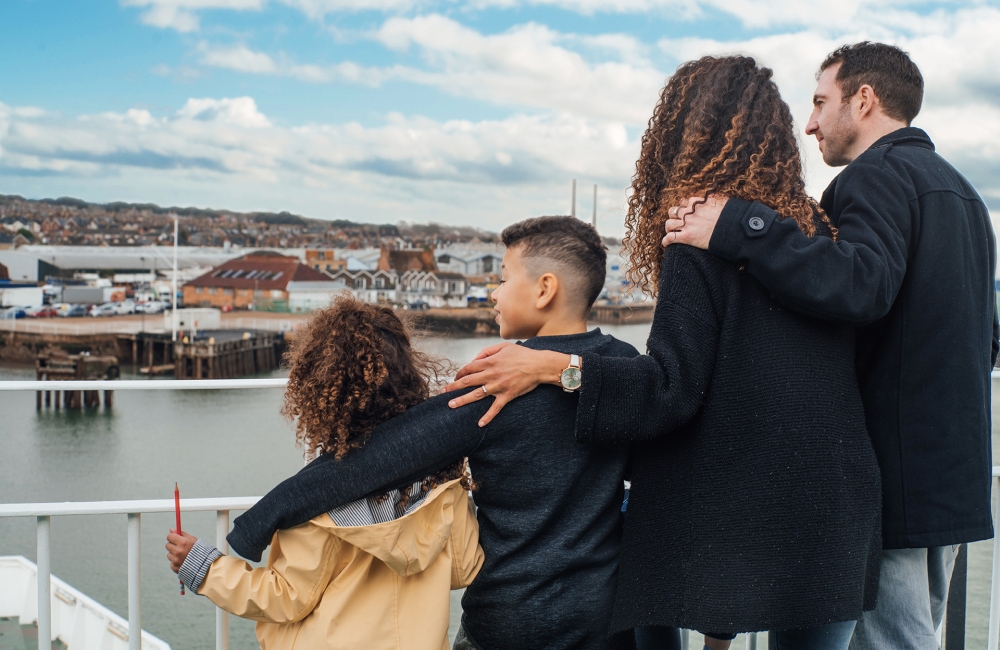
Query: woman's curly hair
(720, 127)
(351, 368)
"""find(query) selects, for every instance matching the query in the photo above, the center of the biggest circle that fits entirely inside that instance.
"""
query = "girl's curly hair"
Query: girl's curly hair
(719, 127)
(352, 367)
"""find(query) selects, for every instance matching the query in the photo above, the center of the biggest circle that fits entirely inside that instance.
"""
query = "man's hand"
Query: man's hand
(507, 371)
(178, 547)
(693, 222)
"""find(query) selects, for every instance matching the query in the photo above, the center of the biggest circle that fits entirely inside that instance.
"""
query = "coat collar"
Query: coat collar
(907, 136)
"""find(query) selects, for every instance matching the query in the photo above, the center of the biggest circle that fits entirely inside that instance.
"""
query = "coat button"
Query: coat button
(756, 223)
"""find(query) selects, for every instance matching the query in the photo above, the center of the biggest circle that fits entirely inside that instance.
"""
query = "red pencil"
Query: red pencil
(177, 511)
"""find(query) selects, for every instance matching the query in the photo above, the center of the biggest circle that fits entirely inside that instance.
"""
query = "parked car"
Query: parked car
(419, 305)
(107, 309)
(43, 311)
(150, 307)
(74, 311)
(14, 312)
(125, 307)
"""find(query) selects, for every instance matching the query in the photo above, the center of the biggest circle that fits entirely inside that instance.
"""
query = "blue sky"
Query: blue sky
(384, 110)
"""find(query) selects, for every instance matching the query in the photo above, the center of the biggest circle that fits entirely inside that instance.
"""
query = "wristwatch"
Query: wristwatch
(572, 377)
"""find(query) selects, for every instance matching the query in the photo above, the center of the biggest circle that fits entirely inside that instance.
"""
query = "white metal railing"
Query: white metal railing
(42, 512)
(133, 509)
(143, 384)
(222, 507)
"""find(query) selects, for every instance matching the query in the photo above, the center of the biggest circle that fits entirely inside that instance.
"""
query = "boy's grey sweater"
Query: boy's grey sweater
(549, 508)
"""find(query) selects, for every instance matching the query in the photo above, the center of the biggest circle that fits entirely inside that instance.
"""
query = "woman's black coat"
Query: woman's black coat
(755, 501)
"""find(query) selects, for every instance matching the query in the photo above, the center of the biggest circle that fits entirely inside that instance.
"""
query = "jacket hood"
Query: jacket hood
(410, 544)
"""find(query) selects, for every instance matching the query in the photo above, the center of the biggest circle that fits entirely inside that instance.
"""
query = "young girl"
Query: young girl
(374, 573)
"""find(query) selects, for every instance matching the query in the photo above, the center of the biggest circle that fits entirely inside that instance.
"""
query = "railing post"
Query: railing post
(994, 636)
(134, 582)
(221, 617)
(43, 583)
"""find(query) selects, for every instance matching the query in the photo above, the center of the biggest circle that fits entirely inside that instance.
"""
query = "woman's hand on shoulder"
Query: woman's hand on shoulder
(505, 371)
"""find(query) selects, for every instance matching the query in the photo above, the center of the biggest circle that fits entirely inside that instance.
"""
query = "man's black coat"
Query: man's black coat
(914, 268)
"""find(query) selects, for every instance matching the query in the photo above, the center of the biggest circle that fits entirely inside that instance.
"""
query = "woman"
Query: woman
(755, 497)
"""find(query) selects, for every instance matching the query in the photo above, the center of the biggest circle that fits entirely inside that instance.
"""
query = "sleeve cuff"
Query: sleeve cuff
(197, 563)
(740, 220)
(239, 542)
(590, 393)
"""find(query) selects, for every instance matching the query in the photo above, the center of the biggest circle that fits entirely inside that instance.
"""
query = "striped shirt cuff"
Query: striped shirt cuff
(195, 567)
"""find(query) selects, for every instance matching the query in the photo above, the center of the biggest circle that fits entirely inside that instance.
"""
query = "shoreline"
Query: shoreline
(21, 341)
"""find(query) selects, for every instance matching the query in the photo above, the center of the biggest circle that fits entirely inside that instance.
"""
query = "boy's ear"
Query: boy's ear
(547, 287)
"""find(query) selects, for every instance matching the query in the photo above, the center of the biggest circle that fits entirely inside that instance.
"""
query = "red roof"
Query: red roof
(263, 272)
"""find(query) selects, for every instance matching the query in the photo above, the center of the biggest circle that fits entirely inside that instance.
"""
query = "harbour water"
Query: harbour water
(213, 443)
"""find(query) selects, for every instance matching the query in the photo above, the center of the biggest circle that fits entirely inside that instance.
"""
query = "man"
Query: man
(913, 268)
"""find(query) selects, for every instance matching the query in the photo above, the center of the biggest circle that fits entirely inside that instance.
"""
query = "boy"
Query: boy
(549, 509)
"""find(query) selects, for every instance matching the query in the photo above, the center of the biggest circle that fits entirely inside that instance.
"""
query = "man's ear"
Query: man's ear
(547, 288)
(867, 100)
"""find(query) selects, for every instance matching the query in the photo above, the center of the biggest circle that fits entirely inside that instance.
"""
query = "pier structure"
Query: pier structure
(626, 314)
(226, 354)
(57, 366)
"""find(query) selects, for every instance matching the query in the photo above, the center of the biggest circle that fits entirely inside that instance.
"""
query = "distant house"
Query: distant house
(368, 286)
(471, 263)
(6, 241)
(402, 260)
(258, 280)
(324, 259)
(376, 287)
(436, 288)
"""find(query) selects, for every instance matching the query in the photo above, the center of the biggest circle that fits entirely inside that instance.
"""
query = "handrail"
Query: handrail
(144, 384)
(134, 510)
(123, 507)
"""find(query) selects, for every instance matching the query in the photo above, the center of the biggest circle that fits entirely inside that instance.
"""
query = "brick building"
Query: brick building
(259, 279)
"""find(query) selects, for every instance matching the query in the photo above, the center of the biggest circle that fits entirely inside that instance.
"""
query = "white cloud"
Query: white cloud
(524, 66)
(237, 57)
(242, 59)
(408, 167)
(238, 111)
(317, 9)
(181, 15)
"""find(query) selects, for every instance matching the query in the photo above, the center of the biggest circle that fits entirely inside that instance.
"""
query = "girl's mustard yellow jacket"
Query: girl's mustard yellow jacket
(382, 586)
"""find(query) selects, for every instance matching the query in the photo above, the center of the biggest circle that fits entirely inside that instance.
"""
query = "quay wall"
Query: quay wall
(24, 347)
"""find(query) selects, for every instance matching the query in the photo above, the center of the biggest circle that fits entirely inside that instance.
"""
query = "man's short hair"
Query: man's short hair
(567, 246)
(895, 78)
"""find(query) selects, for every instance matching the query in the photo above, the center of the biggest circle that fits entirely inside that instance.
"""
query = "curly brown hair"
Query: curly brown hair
(352, 367)
(720, 127)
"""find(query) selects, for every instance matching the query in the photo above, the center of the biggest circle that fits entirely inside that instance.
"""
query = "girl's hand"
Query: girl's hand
(507, 371)
(178, 547)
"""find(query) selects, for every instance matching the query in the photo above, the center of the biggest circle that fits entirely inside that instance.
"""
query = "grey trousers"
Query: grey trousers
(462, 641)
(912, 597)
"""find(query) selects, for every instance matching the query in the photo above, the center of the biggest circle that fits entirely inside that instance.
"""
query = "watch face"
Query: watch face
(571, 378)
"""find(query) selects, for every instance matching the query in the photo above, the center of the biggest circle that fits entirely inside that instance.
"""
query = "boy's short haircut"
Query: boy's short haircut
(566, 246)
(890, 72)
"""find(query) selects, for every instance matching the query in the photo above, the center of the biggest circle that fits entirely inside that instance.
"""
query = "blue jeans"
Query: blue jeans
(833, 636)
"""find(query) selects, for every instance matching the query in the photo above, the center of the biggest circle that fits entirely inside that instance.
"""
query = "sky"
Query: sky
(476, 113)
